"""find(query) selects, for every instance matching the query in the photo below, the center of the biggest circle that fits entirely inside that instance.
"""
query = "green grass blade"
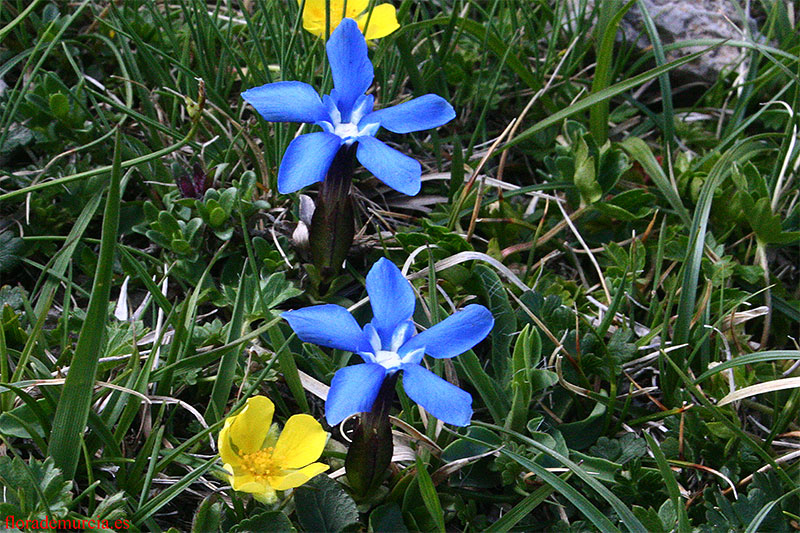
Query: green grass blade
(490, 392)
(694, 255)
(668, 125)
(607, 25)
(429, 495)
(19, 18)
(749, 359)
(672, 485)
(227, 364)
(73, 406)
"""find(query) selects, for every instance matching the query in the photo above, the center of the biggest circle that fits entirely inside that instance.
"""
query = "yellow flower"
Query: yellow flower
(259, 461)
(382, 21)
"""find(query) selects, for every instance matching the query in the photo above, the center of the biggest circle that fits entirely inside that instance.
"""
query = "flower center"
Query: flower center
(261, 464)
(346, 130)
(388, 359)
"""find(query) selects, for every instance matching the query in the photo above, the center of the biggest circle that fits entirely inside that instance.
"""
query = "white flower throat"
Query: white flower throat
(389, 358)
(348, 131)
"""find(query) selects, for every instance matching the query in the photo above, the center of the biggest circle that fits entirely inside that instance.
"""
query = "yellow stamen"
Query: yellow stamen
(261, 464)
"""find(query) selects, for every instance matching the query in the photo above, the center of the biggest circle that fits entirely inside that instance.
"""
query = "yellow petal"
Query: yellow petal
(249, 483)
(226, 452)
(298, 477)
(249, 428)
(300, 443)
(354, 7)
(314, 16)
(382, 22)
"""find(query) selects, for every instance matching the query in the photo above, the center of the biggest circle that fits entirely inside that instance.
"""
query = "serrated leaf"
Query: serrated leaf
(112, 507)
(10, 247)
(13, 297)
(323, 505)
(649, 518)
(620, 450)
(268, 522)
(38, 489)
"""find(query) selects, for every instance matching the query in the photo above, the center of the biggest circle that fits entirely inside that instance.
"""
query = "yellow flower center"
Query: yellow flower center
(261, 464)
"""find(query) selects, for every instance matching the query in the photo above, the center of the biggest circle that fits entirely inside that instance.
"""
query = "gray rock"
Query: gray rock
(683, 20)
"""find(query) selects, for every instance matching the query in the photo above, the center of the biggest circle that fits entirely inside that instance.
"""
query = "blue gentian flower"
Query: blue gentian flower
(346, 116)
(388, 344)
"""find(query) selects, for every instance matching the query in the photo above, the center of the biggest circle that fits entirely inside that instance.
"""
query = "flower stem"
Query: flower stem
(333, 225)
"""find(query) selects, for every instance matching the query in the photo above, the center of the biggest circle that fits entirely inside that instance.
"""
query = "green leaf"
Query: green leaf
(462, 448)
(169, 225)
(743, 151)
(768, 226)
(583, 433)
(611, 14)
(59, 105)
(208, 516)
(217, 216)
(490, 392)
(629, 205)
(749, 359)
(523, 508)
(621, 450)
(584, 177)
(642, 154)
(527, 349)
(387, 517)
(323, 505)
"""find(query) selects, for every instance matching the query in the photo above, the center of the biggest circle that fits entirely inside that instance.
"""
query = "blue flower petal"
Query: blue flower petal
(350, 65)
(327, 325)
(391, 297)
(307, 160)
(353, 390)
(396, 170)
(440, 398)
(423, 113)
(286, 101)
(454, 335)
